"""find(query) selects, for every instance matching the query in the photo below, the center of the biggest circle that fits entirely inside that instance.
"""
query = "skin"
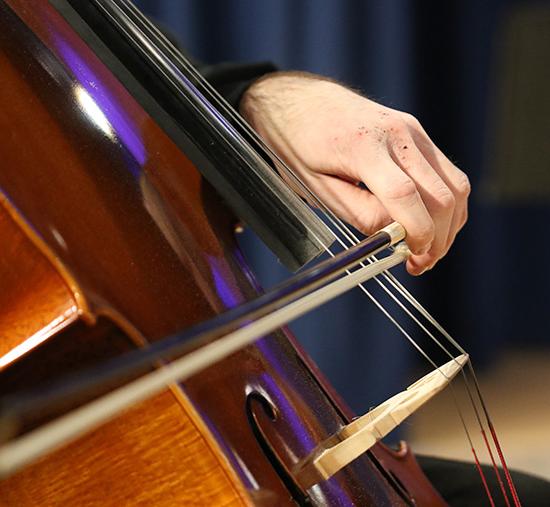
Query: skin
(370, 164)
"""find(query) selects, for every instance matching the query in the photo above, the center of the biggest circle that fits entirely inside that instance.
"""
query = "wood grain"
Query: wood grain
(151, 455)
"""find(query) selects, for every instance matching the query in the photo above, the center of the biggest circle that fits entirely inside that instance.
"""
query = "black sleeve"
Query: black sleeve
(232, 79)
(229, 79)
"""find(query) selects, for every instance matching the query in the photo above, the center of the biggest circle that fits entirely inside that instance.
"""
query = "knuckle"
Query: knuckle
(396, 125)
(436, 252)
(402, 190)
(463, 185)
(392, 122)
(369, 220)
(426, 232)
(410, 119)
(445, 198)
(422, 238)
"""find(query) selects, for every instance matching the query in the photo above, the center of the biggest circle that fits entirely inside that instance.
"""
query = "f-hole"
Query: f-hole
(256, 398)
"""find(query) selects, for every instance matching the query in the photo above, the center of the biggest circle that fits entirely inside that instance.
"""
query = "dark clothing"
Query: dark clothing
(232, 80)
(460, 484)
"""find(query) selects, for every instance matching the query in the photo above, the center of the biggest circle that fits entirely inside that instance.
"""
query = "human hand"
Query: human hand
(335, 139)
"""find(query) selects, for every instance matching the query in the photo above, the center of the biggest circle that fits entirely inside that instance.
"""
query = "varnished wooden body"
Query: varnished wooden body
(28, 316)
(100, 207)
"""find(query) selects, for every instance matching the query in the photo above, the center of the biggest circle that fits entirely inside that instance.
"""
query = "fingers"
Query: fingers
(419, 188)
(354, 139)
(400, 196)
(454, 178)
(437, 197)
(355, 205)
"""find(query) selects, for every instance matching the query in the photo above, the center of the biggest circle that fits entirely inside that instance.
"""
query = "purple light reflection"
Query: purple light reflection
(222, 277)
(115, 115)
(238, 464)
(330, 490)
(288, 414)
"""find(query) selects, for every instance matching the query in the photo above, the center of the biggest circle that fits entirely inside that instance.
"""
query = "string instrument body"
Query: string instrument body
(111, 239)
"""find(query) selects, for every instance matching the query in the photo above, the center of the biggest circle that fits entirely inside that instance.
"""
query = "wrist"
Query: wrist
(280, 104)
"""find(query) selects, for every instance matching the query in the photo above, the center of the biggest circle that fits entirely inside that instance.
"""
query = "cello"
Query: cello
(116, 181)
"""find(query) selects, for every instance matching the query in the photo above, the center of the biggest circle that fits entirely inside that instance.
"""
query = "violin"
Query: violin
(140, 362)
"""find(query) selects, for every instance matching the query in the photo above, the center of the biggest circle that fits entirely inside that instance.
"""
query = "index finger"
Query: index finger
(398, 194)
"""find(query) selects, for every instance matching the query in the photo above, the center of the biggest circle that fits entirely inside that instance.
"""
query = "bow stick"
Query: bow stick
(18, 452)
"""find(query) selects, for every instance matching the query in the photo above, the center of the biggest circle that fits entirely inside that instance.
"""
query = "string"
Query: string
(335, 220)
(337, 223)
(495, 468)
(342, 229)
(474, 453)
(49, 436)
(213, 95)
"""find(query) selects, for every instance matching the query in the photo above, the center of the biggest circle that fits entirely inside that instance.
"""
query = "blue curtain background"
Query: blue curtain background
(435, 60)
